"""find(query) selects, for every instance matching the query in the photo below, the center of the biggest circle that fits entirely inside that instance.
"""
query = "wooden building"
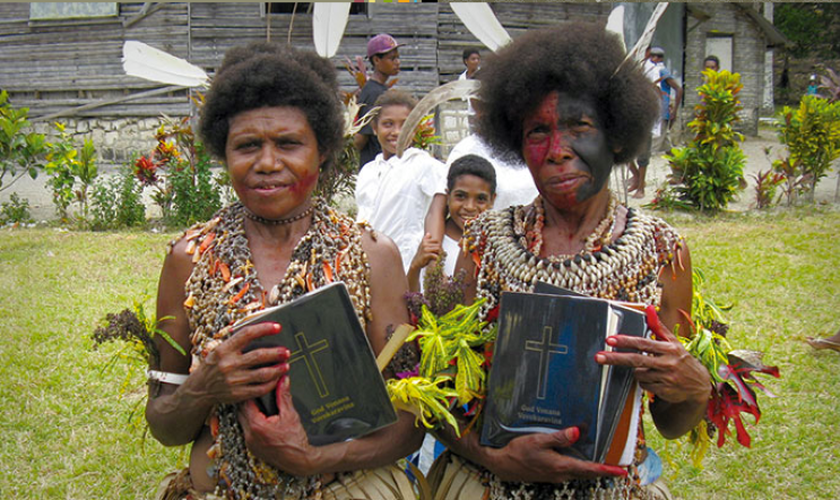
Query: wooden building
(67, 65)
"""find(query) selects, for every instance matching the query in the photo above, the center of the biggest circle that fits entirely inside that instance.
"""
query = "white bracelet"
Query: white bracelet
(168, 377)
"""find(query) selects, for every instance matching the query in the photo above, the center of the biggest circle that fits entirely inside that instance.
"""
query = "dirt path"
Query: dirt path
(757, 161)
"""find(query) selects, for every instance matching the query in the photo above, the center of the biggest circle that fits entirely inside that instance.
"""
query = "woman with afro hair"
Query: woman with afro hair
(273, 116)
(565, 102)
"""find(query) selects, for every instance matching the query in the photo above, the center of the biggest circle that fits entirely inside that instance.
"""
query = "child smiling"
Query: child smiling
(394, 194)
(470, 190)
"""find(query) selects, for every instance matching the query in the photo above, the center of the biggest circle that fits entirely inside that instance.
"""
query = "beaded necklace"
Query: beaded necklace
(600, 236)
(278, 222)
(626, 269)
(223, 288)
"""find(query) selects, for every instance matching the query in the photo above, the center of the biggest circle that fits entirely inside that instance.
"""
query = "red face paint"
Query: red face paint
(273, 160)
(566, 150)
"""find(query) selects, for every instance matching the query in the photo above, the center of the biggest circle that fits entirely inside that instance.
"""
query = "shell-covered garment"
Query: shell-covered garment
(627, 269)
(224, 288)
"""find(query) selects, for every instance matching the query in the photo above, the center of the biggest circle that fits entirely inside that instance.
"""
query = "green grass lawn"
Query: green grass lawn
(65, 419)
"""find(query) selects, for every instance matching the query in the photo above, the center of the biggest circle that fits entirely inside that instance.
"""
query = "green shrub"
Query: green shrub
(709, 171)
(812, 136)
(196, 196)
(20, 153)
(179, 172)
(15, 211)
(116, 203)
(72, 173)
(766, 185)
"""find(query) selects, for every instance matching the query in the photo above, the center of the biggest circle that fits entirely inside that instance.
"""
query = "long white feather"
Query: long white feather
(615, 23)
(458, 89)
(149, 63)
(637, 54)
(328, 22)
(479, 18)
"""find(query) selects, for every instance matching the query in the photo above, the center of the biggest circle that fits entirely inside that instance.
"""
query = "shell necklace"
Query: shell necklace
(600, 236)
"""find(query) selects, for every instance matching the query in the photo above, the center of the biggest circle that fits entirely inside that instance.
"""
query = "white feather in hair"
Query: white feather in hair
(637, 54)
(615, 23)
(459, 89)
(479, 18)
(149, 63)
(329, 19)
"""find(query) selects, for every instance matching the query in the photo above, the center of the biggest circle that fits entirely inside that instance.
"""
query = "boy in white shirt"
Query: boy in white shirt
(394, 194)
(470, 190)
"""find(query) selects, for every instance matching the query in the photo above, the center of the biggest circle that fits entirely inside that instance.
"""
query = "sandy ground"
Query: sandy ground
(41, 206)
(757, 161)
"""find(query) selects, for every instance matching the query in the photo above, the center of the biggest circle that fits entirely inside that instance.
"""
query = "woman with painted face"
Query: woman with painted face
(563, 102)
(273, 116)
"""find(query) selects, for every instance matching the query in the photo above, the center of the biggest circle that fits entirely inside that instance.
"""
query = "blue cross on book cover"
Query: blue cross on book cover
(544, 376)
(335, 384)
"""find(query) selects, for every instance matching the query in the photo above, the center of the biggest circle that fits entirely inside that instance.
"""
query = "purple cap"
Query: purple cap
(381, 44)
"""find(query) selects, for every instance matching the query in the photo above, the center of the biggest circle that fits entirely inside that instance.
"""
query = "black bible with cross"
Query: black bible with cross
(336, 387)
(544, 376)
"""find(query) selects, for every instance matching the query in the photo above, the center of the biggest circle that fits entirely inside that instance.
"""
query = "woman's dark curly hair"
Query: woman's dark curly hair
(579, 60)
(262, 75)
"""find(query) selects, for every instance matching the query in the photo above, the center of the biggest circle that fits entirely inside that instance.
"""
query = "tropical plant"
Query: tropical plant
(72, 173)
(731, 373)
(179, 170)
(15, 211)
(117, 203)
(21, 153)
(452, 365)
(709, 171)
(424, 136)
(766, 184)
(812, 136)
(136, 331)
(666, 199)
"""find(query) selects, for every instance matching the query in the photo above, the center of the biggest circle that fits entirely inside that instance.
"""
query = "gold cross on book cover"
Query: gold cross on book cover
(336, 386)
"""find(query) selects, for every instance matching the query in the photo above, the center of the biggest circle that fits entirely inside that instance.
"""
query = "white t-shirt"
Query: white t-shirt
(394, 196)
(514, 184)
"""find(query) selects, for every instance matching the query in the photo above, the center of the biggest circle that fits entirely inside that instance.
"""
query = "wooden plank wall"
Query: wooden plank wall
(453, 36)
(215, 27)
(52, 66)
(55, 65)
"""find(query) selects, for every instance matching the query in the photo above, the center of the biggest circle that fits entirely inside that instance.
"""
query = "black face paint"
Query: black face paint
(566, 150)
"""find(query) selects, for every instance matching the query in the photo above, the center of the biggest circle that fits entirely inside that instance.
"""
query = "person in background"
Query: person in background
(667, 83)
(394, 194)
(813, 88)
(712, 63)
(638, 167)
(470, 190)
(472, 60)
(384, 56)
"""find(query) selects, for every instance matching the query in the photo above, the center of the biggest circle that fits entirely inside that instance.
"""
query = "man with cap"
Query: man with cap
(638, 167)
(385, 58)
(666, 83)
(661, 77)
